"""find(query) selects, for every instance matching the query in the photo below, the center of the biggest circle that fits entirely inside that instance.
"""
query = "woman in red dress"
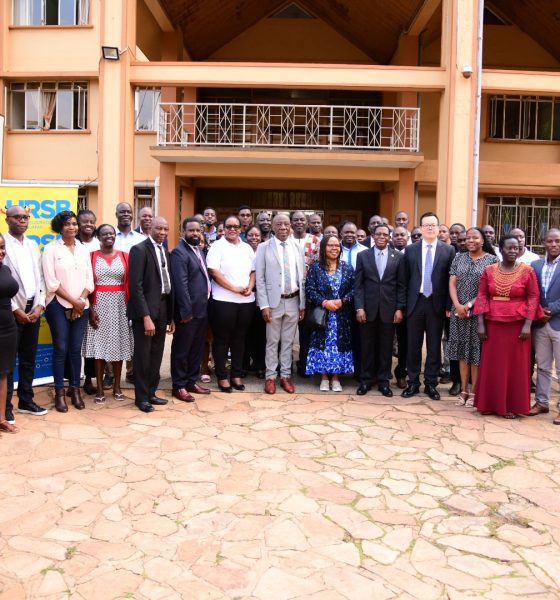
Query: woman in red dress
(506, 305)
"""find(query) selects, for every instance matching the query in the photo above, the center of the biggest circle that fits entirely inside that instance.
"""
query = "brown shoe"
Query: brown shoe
(538, 409)
(60, 400)
(197, 389)
(287, 385)
(401, 383)
(270, 386)
(76, 398)
(557, 420)
(182, 394)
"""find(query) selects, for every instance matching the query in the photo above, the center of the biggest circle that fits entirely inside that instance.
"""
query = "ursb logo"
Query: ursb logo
(42, 209)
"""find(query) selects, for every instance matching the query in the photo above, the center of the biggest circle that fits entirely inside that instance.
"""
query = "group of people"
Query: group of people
(112, 293)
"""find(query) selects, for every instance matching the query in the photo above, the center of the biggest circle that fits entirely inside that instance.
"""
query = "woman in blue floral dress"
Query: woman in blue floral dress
(330, 284)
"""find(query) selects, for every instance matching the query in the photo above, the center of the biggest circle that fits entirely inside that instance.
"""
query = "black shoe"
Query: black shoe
(30, 408)
(129, 378)
(89, 388)
(260, 374)
(107, 384)
(225, 388)
(432, 392)
(145, 407)
(445, 377)
(411, 390)
(10, 416)
(533, 387)
(238, 386)
(363, 389)
(455, 389)
(158, 401)
(386, 391)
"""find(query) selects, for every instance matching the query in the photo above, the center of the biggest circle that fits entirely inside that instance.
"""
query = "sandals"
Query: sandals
(6, 427)
(510, 415)
(205, 378)
(99, 400)
(118, 395)
(462, 399)
(470, 401)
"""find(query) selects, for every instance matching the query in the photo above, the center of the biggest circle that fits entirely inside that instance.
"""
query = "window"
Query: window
(82, 199)
(146, 102)
(50, 12)
(143, 196)
(525, 118)
(535, 215)
(48, 105)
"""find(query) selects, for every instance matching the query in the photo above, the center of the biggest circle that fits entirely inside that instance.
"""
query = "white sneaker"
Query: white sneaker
(325, 385)
(336, 387)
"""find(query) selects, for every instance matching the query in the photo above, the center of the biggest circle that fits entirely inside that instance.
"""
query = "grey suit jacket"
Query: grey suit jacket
(269, 273)
(19, 300)
(552, 298)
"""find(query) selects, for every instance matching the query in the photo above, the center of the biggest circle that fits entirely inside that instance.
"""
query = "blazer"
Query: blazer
(367, 243)
(144, 283)
(552, 299)
(444, 254)
(189, 280)
(380, 297)
(20, 300)
(269, 273)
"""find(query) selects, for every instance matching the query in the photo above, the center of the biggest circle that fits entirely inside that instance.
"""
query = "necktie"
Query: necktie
(428, 272)
(287, 274)
(380, 265)
(203, 266)
(164, 273)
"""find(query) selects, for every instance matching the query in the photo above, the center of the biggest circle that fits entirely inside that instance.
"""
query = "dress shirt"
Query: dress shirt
(235, 262)
(424, 252)
(292, 262)
(159, 249)
(381, 255)
(24, 258)
(350, 255)
(528, 257)
(71, 270)
(125, 242)
(211, 235)
(548, 273)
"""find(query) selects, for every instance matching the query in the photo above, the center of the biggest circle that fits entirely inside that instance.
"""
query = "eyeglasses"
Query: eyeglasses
(230, 227)
(20, 217)
(430, 225)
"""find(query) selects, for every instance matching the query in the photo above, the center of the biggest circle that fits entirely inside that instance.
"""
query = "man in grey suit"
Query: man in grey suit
(280, 273)
(546, 333)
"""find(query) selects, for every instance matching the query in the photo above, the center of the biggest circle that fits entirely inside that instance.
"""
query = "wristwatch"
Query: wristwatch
(469, 304)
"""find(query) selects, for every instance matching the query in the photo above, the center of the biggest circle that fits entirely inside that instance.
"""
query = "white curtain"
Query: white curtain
(22, 12)
(48, 104)
(83, 12)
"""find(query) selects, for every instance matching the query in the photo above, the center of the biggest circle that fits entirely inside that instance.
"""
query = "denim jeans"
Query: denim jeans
(67, 338)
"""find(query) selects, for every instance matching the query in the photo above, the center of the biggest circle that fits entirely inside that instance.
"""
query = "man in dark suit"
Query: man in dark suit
(191, 286)
(372, 224)
(150, 309)
(427, 268)
(380, 300)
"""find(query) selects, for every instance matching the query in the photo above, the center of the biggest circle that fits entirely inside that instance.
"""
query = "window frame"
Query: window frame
(81, 10)
(156, 99)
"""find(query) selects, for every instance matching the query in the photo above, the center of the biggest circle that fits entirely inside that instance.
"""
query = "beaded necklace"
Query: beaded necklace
(504, 280)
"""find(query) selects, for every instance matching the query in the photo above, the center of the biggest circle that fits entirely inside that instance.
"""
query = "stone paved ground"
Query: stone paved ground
(316, 497)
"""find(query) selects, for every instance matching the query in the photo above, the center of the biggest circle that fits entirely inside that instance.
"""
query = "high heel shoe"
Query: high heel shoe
(76, 398)
(60, 400)
(238, 386)
(225, 388)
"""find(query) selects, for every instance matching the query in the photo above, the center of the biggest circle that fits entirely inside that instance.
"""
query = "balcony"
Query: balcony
(290, 126)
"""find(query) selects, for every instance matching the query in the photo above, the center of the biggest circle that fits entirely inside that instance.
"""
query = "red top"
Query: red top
(109, 260)
(523, 301)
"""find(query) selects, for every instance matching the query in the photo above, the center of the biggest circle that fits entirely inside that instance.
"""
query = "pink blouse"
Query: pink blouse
(523, 301)
(71, 270)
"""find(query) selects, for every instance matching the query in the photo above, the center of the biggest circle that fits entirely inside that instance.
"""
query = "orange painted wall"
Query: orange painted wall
(145, 167)
(287, 40)
(148, 34)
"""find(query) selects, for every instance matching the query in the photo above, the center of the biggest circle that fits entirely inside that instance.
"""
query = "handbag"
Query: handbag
(316, 318)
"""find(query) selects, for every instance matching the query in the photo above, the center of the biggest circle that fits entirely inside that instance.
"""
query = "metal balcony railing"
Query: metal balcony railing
(288, 126)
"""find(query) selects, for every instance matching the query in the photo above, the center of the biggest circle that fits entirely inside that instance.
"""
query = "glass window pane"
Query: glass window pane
(544, 123)
(146, 102)
(51, 12)
(512, 117)
(32, 110)
(64, 109)
(67, 12)
(556, 124)
(17, 110)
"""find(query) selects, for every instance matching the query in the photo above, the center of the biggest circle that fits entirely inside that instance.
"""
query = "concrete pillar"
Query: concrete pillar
(116, 109)
(405, 194)
(169, 200)
(457, 112)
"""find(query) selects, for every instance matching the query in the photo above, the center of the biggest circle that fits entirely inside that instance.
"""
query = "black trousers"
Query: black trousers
(304, 341)
(402, 349)
(230, 324)
(454, 370)
(356, 343)
(187, 349)
(424, 319)
(255, 343)
(377, 351)
(27, 341)
(148, 352)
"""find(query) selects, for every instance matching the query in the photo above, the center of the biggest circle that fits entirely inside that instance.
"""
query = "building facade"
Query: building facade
(348, 109)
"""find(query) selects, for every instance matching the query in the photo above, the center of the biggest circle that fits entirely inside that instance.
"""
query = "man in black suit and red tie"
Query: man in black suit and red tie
(191, 285)
(427, 267)
(380, 301)
(150, 309)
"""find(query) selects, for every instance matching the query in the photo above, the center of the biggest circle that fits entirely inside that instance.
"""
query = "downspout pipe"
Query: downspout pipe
(478, 106)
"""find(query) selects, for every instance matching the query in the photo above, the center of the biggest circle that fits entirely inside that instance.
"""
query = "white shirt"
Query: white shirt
(159, 250)
(349, 255)
(125, 242)
(528, 257)
(292, 262)
(424, 252)
(92, 245)
(235, 262)
(24, 258)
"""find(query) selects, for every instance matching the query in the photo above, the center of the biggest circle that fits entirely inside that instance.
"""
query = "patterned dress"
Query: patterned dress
(330, 359)
(464, 343)
(112, 340)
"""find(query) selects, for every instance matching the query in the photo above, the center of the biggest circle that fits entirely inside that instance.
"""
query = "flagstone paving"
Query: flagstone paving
(315, 497)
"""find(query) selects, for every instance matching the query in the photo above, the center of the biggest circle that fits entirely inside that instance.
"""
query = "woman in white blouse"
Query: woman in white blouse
(231, 264)
(68, 281)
